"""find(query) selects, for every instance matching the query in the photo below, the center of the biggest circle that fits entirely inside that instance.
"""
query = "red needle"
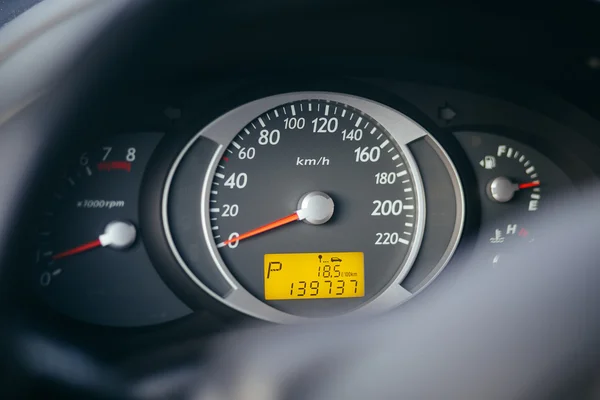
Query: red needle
(78, 249)
(529, 185)
(272, 225)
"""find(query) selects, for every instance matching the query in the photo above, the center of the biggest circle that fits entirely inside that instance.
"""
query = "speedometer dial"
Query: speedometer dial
(310, 205)
(304, 185)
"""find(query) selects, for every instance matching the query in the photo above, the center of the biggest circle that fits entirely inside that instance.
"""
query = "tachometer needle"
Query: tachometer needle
(118, 235)
(267, 227)
(79, 249)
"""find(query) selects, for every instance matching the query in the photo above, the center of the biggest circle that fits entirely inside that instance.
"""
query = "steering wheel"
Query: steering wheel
(471, 338)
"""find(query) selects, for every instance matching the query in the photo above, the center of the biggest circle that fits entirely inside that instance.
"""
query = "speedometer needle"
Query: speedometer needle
(316, 208)
(267, 227)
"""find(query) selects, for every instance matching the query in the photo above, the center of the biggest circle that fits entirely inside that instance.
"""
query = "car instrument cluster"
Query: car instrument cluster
(292, 206)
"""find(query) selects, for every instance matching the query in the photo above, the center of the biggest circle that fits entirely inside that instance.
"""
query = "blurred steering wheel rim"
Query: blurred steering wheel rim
(36, 128)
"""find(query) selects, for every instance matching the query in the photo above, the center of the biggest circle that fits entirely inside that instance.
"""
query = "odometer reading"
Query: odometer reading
(314, 275)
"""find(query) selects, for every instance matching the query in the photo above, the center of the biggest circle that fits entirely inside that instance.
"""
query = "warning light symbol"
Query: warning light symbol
(523, 232)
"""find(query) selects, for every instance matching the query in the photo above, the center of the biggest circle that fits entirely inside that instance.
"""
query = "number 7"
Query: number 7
(107, 151)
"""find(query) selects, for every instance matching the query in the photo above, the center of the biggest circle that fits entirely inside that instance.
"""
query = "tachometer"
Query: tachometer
(91, 263)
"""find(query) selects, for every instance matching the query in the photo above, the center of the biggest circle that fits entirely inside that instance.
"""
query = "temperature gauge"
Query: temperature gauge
(505, 239)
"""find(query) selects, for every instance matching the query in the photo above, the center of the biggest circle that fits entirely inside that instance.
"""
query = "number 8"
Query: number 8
(130, 154)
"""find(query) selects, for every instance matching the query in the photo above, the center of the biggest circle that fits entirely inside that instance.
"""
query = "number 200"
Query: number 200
(387, 207)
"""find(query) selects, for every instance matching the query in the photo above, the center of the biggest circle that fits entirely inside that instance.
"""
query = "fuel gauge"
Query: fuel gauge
(520, 177)
(512, 178)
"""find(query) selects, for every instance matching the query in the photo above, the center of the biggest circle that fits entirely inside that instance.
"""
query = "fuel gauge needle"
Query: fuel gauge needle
(118, 235)
(502, 189)
(528, 185)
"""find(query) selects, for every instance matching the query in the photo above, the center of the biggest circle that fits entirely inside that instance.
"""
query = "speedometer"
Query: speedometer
(306, 183)
(309, 205)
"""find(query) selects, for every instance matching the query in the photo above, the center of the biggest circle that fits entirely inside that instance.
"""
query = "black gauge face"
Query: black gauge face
(344, 185)
(307, 205)
(90, 262)
(515, 182)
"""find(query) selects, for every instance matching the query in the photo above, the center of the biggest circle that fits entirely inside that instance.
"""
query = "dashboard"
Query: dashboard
(404, 181)
(290, 202)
